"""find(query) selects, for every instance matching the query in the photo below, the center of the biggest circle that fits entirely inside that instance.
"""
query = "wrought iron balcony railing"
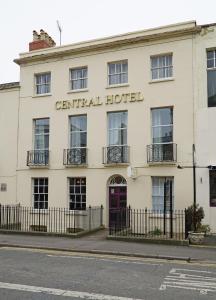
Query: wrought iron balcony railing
(75, 156)
(116, 154)
(161, 153)
(37, 158)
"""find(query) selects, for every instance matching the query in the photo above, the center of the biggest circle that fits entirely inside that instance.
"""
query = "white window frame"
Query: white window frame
(214, 59)
(43, 84)
(81, 194)
(44, 193)
(81, 79)
(116, 128)
(167, 67)
(164, 125)
(117, 73)
(162, 178)
(71, 131)
(39, 134)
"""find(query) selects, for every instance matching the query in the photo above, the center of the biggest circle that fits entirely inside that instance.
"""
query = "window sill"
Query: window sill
(162, 80)
(76, 166)
(38, 166)
(77, 91)
(42, 95)
(117, 85)
(116, 164)
(156, 163)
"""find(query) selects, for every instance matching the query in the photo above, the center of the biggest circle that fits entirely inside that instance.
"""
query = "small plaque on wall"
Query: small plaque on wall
(3, 187)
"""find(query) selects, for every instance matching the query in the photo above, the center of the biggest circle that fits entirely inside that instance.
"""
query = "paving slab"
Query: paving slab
(98, 243)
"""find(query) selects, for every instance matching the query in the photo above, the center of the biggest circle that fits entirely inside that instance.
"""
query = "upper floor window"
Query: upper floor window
(162, 125)
(117, 126)
(41, 134)
(78, 131)
(118, 72)
(161, 66)
(78, 78)
(211, 77)
(42, 83)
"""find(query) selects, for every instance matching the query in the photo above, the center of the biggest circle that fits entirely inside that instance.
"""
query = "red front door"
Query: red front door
(117, 206)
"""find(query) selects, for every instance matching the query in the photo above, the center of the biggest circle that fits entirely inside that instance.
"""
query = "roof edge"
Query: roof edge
(9, 85)
(111, 42)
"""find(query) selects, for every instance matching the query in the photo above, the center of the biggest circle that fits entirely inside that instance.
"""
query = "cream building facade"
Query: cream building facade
(205, 129)
(107, 122)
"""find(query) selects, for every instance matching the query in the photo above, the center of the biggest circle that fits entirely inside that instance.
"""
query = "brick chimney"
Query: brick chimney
(40, 41)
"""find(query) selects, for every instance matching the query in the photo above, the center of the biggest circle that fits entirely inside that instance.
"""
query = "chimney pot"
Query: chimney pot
(40, 41)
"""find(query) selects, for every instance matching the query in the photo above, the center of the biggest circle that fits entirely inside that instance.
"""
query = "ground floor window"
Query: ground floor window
(77, 193)
(212, 181)
(162, 193)
(40, 193)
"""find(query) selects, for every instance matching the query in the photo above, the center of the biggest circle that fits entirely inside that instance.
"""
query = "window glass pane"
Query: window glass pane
(124, 78)
(212, 180)
(162, 60)
(40, 193)
(210, 63)
(43, 83)
(169, 60)
(161, 185)
(111, 69)
(162, 116)
(41, 139)
(78, 123)
(210, 54)
(155, 74)
(154, 62)
(118, 73)
(84, 83)
(211, 77)
(85, 72)
(118, 68)
(162, 134)
(169, 72)
(117, 123)
(77, 193)
(79, 78)
(125, 67)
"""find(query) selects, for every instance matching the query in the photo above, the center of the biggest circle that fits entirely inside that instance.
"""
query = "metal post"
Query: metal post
(101, 215)
(171, 211)
(165, 205)
(194, 187)
(89, 217)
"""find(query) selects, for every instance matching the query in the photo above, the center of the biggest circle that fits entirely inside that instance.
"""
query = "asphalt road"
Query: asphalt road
(34, 274)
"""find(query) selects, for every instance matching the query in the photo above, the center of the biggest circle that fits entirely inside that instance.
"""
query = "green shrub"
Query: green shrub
(194, 218)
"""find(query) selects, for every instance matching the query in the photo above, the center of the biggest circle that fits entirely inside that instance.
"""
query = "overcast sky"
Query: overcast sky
(87, 19)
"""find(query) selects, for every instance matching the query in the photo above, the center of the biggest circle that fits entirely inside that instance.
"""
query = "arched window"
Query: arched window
(117, 180)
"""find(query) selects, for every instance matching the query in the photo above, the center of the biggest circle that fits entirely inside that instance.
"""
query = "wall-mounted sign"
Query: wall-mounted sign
(97, 101)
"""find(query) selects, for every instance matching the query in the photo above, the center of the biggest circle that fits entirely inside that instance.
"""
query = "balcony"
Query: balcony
(116, 155)
(162, 153)
(75, 157)
(38, 158)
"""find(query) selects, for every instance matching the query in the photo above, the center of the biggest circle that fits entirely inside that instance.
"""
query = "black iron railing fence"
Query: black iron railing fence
(148, 223)
(162, 153)
(75, 156)
(51, 220)
(116, 154)
(37, 158)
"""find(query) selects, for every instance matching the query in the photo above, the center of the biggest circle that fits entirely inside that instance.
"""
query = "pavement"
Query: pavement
(98, 244)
